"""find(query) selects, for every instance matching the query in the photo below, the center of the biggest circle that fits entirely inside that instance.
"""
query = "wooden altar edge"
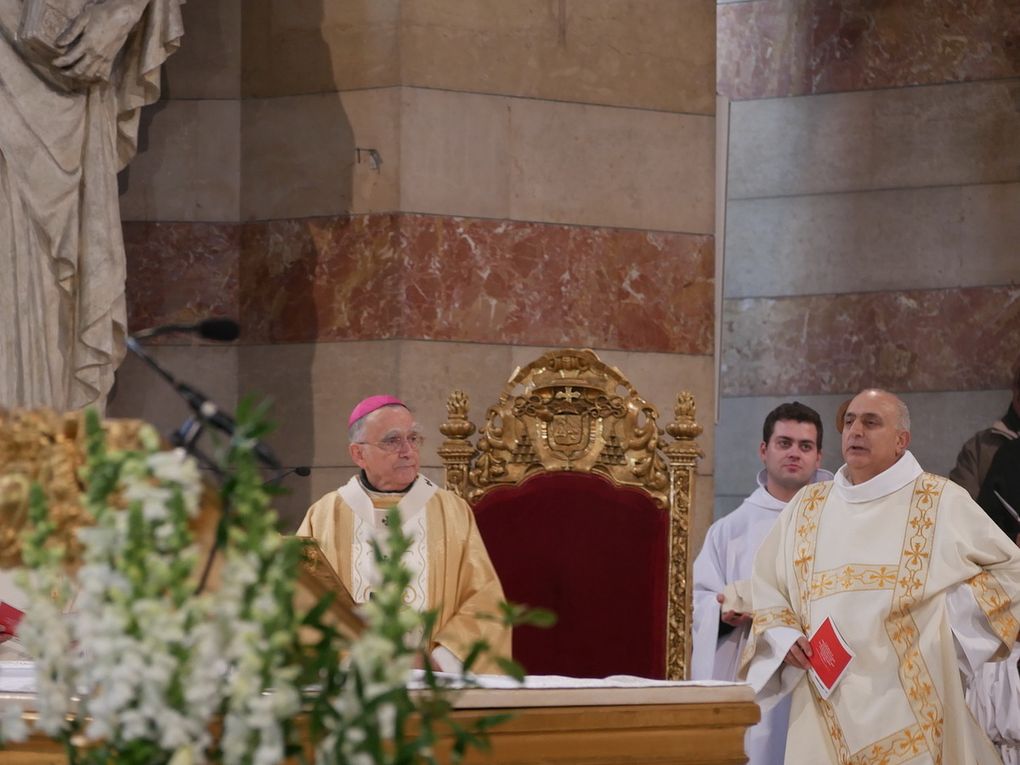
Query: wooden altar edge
(706, 727)
(476, 698)
(653, 734)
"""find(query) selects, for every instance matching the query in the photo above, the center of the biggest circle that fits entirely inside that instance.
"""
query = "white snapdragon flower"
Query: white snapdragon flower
(12, 724)
(386, 717)
(152, 498)
(176, 467)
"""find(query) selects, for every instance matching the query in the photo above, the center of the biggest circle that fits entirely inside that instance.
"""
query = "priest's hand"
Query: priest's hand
(799, 654)
(734, 618)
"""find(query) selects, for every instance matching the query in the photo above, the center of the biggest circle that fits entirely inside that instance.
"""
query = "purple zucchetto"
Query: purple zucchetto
(370, 404)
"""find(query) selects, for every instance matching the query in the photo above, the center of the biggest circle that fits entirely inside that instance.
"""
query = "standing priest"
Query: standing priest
(451, 570)
(913, 575)
(791, 451)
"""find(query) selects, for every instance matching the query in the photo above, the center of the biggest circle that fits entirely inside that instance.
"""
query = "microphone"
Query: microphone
(219, 329)
(205, 409)
(302, 471)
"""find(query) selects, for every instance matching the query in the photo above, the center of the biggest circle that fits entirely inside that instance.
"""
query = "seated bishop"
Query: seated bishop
(451, 570)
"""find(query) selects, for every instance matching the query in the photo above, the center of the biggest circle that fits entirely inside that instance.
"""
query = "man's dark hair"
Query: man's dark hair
(795, 411)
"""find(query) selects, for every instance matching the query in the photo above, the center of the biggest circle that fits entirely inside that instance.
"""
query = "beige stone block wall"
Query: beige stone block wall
(593, 165)
(300, 158)
(313, 388)
(292, 47)
(189, 165)
(456, 153)
(871, 140)
(208, 64)
(930, 238)
(652, 54)
(704, 505)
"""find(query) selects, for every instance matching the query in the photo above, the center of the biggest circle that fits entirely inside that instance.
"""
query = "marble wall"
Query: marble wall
(417, 196)
(872, 217)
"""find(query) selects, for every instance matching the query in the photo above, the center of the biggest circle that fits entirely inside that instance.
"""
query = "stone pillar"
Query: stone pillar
(433, 192)
(872, 217)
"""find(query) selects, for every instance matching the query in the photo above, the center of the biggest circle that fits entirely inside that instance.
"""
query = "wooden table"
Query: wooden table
(684, 725)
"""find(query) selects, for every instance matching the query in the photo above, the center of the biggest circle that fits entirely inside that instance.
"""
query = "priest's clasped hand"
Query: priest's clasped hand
(799, 654)
(734, 618)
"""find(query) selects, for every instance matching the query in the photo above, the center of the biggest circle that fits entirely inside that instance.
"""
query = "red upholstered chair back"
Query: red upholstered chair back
(594, 554)
(584, 509)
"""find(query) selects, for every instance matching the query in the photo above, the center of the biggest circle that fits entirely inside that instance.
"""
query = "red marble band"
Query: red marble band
(915, 340)
(429, 277)
(774, 48)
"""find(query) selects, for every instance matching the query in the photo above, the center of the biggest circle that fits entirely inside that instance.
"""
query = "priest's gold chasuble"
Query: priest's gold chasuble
(451, 570)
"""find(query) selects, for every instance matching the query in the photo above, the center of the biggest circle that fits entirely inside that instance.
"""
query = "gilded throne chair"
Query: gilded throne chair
(584, 505)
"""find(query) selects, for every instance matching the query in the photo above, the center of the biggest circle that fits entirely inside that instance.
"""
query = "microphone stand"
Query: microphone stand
(186, 437)
(205, 413)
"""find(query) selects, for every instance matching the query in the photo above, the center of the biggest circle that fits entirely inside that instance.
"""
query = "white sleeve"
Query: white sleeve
(709, 581)
(768, 675)
(976, 642)
(993, 696)
(446, 660)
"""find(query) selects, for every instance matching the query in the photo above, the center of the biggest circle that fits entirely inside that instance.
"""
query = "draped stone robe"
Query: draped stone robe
(62, 307)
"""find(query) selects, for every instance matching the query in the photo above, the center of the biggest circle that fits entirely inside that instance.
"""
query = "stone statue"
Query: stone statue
(74, 75)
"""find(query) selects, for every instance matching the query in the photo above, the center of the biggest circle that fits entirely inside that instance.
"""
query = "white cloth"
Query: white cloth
(920, 583)
(726, 558)
(370, 525)
(993, 695)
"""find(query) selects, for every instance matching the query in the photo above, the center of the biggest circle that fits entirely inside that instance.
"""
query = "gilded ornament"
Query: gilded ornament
(568, 410)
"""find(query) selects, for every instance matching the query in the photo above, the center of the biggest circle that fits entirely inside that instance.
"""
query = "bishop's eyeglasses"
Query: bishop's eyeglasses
(395, 443)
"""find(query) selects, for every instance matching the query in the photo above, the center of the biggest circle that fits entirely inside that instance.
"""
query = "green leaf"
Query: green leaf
(511, 668)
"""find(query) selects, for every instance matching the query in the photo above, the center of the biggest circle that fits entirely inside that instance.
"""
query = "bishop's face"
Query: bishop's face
(386, 451)
(872, 437)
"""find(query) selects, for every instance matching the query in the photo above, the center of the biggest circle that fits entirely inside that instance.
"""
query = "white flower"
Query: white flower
(183, 756)
(12, 724)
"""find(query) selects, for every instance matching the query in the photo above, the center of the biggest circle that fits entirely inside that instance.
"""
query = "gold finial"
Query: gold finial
(684, 427)
(458, 426)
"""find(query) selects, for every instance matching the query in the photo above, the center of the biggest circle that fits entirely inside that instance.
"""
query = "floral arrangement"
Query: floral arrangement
(138, 662)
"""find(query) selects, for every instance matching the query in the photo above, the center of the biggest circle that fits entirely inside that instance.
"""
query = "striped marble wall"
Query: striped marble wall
(417, 196)
(181, 207)
(872, 217)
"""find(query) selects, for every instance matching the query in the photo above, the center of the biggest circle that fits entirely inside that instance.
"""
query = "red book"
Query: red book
(830, 657)
(10, 617)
